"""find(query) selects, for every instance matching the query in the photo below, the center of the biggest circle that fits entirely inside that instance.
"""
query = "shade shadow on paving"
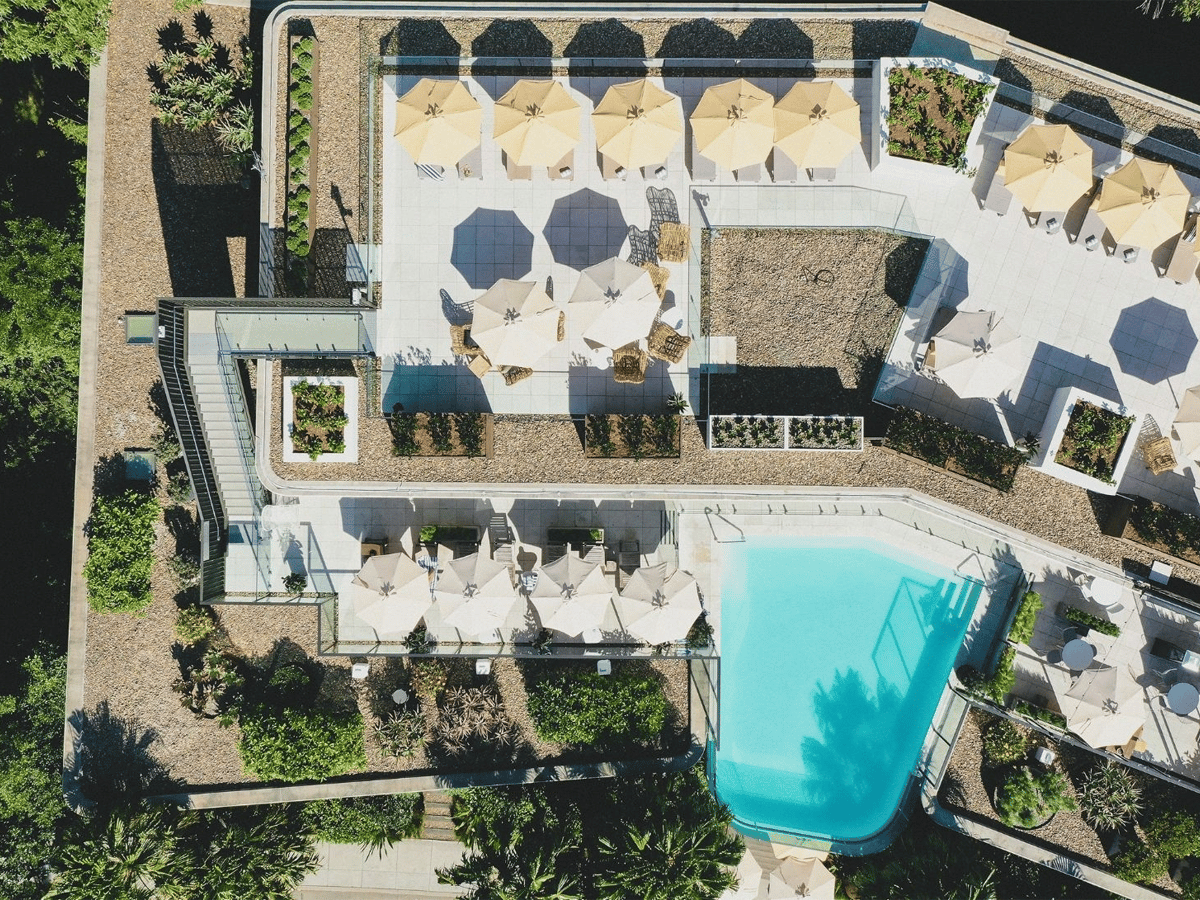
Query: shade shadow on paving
(1153, 340)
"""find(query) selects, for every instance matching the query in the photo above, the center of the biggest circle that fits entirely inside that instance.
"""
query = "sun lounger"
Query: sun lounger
(703, 168)
(564, 169)
(1091, 232)
(515, 172)
(629, 364)
(999, 198)
(667, 344)
(749, 174)
(610, 169)
(1126, 252)
(471, 165)
(629, 557)
(430, 173)
(674, 242)
(657, 172)
(1051, 222)
(822, 174)
(783, 170)
(1182, 267)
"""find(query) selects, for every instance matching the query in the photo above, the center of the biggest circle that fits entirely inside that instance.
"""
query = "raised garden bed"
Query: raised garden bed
(1162, 528)
(301, 161)
(932, 112)
(320, 419)
(1085, 619)
(1086, 440)
(441, 434)
(746, 432)
(824, 433)
(639, 436)
(576, 538)
(954, 449)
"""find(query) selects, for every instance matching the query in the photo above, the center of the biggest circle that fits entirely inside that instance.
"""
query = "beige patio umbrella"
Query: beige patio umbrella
(537, 122)
(1143, 203)
(1104, 706)
(734, 124)
(515, 323)
(571, 595)
(1187, 421)
(1048, 167)
(438, 122)
(750, 877)
(391, 594)
(638, 123)
(614, 303)
(801, 878)
(658, 605)
(475, 594)
(816, 124)
(976, 354)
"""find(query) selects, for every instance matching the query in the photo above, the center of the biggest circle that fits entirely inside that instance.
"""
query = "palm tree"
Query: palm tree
(532, 871)
(124, 857)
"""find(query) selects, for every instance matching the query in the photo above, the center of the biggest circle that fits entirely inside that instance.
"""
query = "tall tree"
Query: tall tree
(70, 33)
(122, 856)
(1185, 9)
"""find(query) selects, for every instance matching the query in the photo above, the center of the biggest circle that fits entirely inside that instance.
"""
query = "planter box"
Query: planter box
(291, 185)
(793, 433)
(453, 536)
(772, 431)
(648, 448)
(973, 152)
(1162, 529)
(1061, 407)
(349, 388)
(424, 440)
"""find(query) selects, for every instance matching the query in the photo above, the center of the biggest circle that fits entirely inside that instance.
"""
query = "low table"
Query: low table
(1078, 654)
(1183, 698)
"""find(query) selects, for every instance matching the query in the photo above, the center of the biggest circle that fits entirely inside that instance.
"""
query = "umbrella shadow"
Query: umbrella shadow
(1049, 369)
(1153, 340)
(419, 37)
(585, 228)
(596, 41)
(491, 244)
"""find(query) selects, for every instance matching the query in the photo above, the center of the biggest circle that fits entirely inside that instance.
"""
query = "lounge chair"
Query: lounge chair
(479, 365)
(629, 364)
(461, 343)
(610, 169)
(828, 174)
(1159, 455)
(629, 558)
(594, 553)
(999, 197)
(783, 169)
(500, 537)
(749, 174)
(513, 374)
(703, 168)
(471, 165)
(674, 242)
(659, 278)
(667, 344)
(515, 172)
(430, 173)
(564, 169)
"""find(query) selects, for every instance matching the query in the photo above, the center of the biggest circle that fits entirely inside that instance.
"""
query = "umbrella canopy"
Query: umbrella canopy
(801, 878)
(816, 124)
(515, 323)
(1048, 167)
(638, 123)
(438, 122)
(391, 593)
(571, 595)
(1187, 421)
(537, 122)
(977, 354)
(1104, 706)
(475, 594)
(1143, 203)
(749, 877)
(734, 124)
(658, 607)
(614, 302)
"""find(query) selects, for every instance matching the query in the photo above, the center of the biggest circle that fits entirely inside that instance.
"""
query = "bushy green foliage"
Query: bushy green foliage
(1086, 619)
(1003, 679)
(1109, 797)
(1003, 742)
(30, 772)
(574, 705)
(295, 582)
(642, 435)
(374, 822)
(1177, 532)
(1026, 799)
(70, 33)
(914, 95)
(194, 624)
(1023, 621)
(401, 734)
(121, 551)
(296, 744)
(1140, 863)
(953, 448)
(212, 686)
(1174, 834)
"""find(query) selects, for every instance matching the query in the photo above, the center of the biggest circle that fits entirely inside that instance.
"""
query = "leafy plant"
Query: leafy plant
(121, 551)
(212, 689)
(401, 734)
(700, 635)
(404, 433)
(747, 432)
(295, 583)
(194, 624)
(1003, 679)
(179, 487)
(296, 744)
(677, 403)
(469, 426)
(599, 433)
(374, 822)
(1140, 863)
(418, 640)
(440, 427)
(473, 721)
(1155, 524)
(428, 677)
(186, 568)
(1023, 622)
(1026, 799)
(1092, 440)
(953, 448)
(1003, 742)
(1109, 798)
(1086, 619)
(579, 706)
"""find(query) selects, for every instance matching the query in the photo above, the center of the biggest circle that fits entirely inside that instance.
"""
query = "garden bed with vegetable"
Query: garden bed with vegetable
(931, 113)
(320, 418)
(1163, 528)
(1093, 440)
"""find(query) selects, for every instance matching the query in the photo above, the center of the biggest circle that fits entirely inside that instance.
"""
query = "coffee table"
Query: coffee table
(1183, 698)
(1078, 654)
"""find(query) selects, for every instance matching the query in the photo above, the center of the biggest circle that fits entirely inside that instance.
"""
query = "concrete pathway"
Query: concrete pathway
(406, 871)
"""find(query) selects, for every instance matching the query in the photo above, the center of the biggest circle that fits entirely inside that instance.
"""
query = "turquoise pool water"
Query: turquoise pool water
(834, 655)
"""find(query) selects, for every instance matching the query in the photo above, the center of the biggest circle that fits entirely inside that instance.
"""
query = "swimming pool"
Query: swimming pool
(834, 655)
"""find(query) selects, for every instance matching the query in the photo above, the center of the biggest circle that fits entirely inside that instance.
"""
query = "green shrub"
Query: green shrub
(579, 706)
(401, 734)
(295, 583)
(121, 551)
(700, 635)
(441, 431)
(1026, 799)
(1140, 863)
(469, 427)
(1177, 532)
(194, 624)
(1174, 834)
(372, 821)
(1022, 626)
(1003, 679)
(1109, 798)
(1080, 617)
(292, 744)
(953, 448)
(1003, 742)
(404, 434)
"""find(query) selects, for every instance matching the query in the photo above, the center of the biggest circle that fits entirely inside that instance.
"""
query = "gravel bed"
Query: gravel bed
(963, 790)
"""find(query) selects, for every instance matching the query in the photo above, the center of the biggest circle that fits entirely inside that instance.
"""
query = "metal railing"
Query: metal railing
(236, 397)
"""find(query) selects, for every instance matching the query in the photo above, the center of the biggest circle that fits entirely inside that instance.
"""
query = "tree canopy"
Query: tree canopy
(70, 33)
